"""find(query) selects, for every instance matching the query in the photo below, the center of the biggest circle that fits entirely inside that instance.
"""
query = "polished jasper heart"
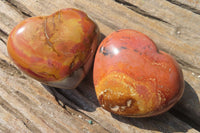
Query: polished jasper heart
(56, 49)
(133, 78)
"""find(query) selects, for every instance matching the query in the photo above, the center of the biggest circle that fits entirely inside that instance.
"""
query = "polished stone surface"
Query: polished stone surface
(51, 48)
(133, 78)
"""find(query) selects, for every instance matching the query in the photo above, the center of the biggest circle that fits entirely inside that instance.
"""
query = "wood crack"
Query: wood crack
(2, 41)
(196, 11)
(184, 118)
(26, 14)
(4, 129)
(18, 115)
(3, 32)
(186, 65)
(3, 36)
(140, 11)
(65, 99)
(9, 69)
(20, 8)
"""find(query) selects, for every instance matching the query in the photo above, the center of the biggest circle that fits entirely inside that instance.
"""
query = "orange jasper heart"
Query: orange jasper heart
(57, 50)
(133, 78)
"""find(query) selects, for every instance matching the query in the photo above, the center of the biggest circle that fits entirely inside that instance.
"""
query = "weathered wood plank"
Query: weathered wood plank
(28, 103)
(40, 111)
(111, 123)
(169, 14)
(192, 5)
(184, 20)
(9, 17)
(114, 123)
(166, 35)
(32, 105)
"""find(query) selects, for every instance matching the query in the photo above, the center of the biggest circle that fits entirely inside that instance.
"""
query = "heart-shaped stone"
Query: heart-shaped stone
(133, 78)
(57, 50)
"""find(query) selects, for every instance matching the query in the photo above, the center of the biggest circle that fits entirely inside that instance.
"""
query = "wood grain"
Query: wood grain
(28, 106)
(192, 5)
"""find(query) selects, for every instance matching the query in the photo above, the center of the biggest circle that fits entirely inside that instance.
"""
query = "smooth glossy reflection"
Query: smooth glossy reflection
(56, 47)
(132, 78)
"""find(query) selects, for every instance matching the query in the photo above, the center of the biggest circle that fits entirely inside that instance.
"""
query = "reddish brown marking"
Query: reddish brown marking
(144, 64)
